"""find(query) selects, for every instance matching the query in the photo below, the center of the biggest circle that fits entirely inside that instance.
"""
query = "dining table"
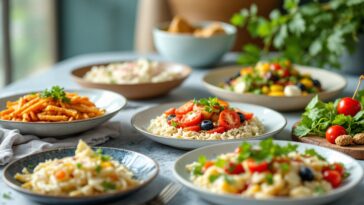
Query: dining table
(130, 139)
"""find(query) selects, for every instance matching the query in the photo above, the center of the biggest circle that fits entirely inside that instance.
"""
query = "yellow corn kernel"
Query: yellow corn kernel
(255, 188)
(106, 164)
(246, 71)
(265, 89)
(276, 93)
(226, 187)
(263, 67)
(307, 82)
(276, 88)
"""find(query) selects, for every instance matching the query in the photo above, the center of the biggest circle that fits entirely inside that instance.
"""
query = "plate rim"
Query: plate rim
(79, 198)
(144, 132)
(122, 105)
(188, 184)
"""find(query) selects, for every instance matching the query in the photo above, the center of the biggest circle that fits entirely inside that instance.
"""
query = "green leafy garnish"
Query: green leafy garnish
(108, 185)
(7, 195)
(57, 93)
(312, 152)
(319, 116)
(210, 103)
(79, 165)
(213, 178)
(319, 190)
(284, 167)
(174, 123)
(98, 168)
(269, 178)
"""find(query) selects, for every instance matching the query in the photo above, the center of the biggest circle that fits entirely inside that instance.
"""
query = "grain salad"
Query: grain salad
(206, 119)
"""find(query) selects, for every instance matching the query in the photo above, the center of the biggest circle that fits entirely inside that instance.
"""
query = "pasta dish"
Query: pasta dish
(87, 173)
(53, 105)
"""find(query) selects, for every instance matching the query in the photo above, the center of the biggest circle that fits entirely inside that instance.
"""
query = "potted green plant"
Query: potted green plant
(323, 34)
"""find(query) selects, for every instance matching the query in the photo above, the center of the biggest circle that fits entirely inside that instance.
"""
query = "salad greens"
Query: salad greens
(319, 116)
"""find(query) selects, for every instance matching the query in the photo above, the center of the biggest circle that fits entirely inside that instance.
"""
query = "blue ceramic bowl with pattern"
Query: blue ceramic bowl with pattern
(144, 169)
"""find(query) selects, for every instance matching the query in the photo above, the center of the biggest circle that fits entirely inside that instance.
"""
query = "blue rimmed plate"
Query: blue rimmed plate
(144, 169)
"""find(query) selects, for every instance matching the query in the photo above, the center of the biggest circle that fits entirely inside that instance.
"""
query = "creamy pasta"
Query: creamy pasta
(87, 173)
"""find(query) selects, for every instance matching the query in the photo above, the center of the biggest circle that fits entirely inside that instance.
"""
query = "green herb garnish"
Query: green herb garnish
(213, 178)
(284, 167)
(312, 152)
(7, 195)
(211, 103)
(79, 165)
(269, 178)
(108, 185)
(98, 168)
(174, 123)
(57, 93)
(319, 190)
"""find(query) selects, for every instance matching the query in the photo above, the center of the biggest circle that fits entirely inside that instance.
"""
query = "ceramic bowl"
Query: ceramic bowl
(273, 123)
(332, 85)
(144, 169)
(191, 50)
(110, 101)
(183, 176)
(135, 91)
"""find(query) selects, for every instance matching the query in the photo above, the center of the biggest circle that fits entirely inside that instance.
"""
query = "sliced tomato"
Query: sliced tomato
(223, 103)
(336, 166)
(233, 168)
(170, 111)
(195, 128)
(191, 118)
(229, 119)
(255, 166)
(207, 165)
(333, 177)
(176, 121)
(275, 67)
(187, 107)
(201, 108)
(217, 130)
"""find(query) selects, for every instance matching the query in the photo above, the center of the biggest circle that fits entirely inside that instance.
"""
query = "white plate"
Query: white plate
(332, 85)
(273, 123)
(110, 101)
(182, 175)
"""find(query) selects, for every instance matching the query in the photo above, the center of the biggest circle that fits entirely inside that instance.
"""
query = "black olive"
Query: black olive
(316, 83)
(207, 125)
(301, 86)
(242, 116)
(306, 174)
(170, 117)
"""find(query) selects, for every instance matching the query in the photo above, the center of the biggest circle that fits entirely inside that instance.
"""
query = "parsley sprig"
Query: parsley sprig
(57, 93)
(210, 103)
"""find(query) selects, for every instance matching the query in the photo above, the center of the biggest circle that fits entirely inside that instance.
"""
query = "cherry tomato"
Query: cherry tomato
(175, 121)
(195, 128)
(201, 108)
(333, 177)
(223, 103)
(248, 115)
(170, 111)
(348, 106)
(285, 73)
(333, 132)
(187, 107)
(337, 167)
(229, 119)
(207, 165)
(275, 67)
(216, 130)
(257, 166)
(233, 168)
(191, 118)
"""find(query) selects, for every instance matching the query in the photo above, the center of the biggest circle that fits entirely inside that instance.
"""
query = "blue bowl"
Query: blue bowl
(191, 50)
(144, 169)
